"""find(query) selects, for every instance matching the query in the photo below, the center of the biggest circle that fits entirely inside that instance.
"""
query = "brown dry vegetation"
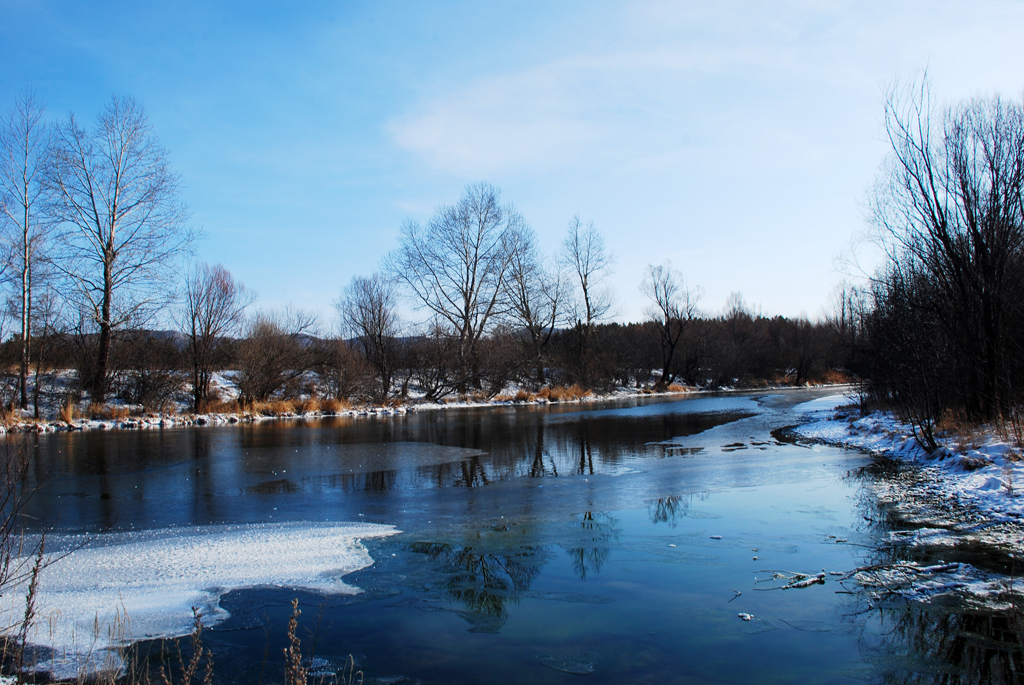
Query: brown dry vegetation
(956, 426)
(106, 412)
(334, 405)
(219, 406)
(836, 377)
(9, 416)
(67, 412)
(561, 393)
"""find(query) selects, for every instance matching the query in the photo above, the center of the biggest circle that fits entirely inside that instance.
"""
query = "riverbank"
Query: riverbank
(967, 491)
(113, 417)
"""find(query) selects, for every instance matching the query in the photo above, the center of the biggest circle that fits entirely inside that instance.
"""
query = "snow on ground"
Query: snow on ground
(920, 583)
(58, 385)
(112, 589)
(962, 496)
(983, 472)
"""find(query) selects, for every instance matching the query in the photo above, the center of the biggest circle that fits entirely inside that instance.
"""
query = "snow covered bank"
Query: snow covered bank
(959, 500)
(184, 418)
(113, 589)
(984, 472)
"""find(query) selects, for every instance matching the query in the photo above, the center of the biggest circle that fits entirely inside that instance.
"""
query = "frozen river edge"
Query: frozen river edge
(101, 592)
(958, 497)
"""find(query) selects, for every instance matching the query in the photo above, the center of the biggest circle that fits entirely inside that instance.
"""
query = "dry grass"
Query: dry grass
(310, 406)
(67, 412)
(956, 427)
(278, 407)
(675, 387)
(561, 393)
(106, 412)
(521, 395)
(9, 415)
(169, 662)
(219, 406)
(295, 673)
(334, 405)
(1011, 429)
(189, 673)
(835, 377)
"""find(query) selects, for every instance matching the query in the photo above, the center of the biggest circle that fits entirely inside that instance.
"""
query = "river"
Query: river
(644, 540)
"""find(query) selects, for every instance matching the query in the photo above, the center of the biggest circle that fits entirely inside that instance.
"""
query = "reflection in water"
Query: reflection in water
(104, 480)
(596, 532)
(945, 640)
(447, 478)
(670, 509)
(483, 582)
(934, 645)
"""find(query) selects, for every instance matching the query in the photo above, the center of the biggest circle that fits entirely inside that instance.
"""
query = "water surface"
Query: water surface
(609, 543)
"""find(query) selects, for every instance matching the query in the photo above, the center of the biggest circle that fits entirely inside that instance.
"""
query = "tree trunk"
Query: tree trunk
(26, 315)
(99, 383)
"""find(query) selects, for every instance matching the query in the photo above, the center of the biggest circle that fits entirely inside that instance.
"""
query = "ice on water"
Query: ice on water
(116, 588)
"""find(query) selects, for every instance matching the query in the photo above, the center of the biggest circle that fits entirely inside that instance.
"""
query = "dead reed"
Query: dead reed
(334, 405)
(295, 673)
(107, 412)
(561, 393)
(67, 412)
(219, 406)
(189, 673)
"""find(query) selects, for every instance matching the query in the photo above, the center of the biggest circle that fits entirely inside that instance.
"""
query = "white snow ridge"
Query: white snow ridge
(123, 587)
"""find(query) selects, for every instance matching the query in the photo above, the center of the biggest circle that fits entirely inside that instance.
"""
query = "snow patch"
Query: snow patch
(113, 589)
(985, 476)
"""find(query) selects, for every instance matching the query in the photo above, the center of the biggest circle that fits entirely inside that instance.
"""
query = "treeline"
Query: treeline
(942, 323)
(97, 252)
(153, 370)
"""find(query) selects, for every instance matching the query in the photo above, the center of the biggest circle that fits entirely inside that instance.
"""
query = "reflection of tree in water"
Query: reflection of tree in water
(596, 532)
(537, 467)
(375, 481)
(483, 582)
(585, 464)
(473, 474)
(935, 643)
(928, 645)
(670, 509)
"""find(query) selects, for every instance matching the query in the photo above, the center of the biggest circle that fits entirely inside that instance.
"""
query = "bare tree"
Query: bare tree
(673, 309)
(274, 353)
(47, 320)
(585, 256)
(456, 266)
(534, 296)
(25, 145)
(368, 310)
(213, 309)
(123, 226)
(949, 206)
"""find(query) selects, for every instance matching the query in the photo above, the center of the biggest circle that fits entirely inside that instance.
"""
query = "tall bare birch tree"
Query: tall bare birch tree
(213, 308)
(456, 266)
(589, 263)
(25, 144)
(122, 226)
(368, 310)
(534, 297)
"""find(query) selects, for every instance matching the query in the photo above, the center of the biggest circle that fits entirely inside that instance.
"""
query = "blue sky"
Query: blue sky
(737, 139)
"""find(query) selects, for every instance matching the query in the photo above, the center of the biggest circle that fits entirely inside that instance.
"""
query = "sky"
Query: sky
(736, 139)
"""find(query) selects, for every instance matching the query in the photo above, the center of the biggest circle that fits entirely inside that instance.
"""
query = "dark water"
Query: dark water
(605, 544)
